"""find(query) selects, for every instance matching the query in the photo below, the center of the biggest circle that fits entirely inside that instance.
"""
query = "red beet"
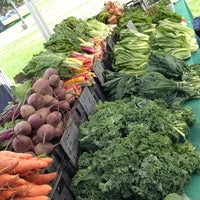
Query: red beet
(36, 120)
(49, 100)
(23, 128)
(36, 100)
(45, 133)
(42, 86)
(22, 143)
(59, 93)
(54, 80)
(54, 118)
(26, 110)
(71, 98)
(50, 71)
(45, 148)
(43, 112)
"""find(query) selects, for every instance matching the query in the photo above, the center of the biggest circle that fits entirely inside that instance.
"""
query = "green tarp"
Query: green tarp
(182, 8)
(193, 188)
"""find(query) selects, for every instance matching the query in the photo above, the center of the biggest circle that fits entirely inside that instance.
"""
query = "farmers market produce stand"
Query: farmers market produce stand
(66, 154)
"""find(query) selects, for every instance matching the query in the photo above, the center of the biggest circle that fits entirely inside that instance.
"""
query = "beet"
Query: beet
(42, 86)
(59, 93)
(45, 148)
(64, 106)
(22, 128)
(58, 132)
(36, 120)
(36, 100)
(54, 118)
(26, 110)
(45, 133)
(22, 143)
(71, 98)
(61, 84)
(49, 100)
(43, 112)
(54, 80)
(50, 71)
(35, 139)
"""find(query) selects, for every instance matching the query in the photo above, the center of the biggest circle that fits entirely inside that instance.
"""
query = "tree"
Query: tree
(5, 5)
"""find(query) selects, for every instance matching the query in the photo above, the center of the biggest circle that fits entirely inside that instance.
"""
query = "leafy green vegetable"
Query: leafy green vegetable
(159, 12)
(134, 150)
(173, 196)
(131, 52)
(43, 60)
(174, 38)
(21, 91)
(137, 16)
(165, 77)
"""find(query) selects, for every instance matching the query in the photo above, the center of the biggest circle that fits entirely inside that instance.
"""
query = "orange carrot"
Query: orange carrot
(26, 165)
(7, 179)
(18, 182)
(11, 154)
(7, 165)
(33, 190)
(41, 178)
(48, 160)
(7, 194)
(33, 198)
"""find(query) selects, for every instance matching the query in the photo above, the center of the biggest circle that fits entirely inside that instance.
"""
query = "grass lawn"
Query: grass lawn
(14, 56)
(194, 6)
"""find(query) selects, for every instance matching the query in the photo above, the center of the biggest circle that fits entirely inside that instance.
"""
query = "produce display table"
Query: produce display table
(193, 188)
(182, 8)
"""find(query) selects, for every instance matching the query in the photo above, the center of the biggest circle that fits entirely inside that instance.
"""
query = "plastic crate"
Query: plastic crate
(111, 41)
(87, 101)
(196, 25)
(97, 92)
(107, 60)
(133, 3)
(59, 157)
(78, 113)
(60, 187)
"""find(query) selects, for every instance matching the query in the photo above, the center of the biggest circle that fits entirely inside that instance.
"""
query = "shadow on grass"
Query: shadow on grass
(7, 26)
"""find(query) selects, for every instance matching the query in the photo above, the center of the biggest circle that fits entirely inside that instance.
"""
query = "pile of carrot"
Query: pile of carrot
(21, 176)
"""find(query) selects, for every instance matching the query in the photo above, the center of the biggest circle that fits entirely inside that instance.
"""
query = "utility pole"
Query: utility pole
(30, 4)
(24, 26)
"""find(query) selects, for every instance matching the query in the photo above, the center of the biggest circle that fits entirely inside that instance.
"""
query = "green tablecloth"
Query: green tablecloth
(182, 8)
(193, 188)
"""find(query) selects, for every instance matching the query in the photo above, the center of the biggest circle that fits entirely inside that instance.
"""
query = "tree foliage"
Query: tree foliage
(5, 6)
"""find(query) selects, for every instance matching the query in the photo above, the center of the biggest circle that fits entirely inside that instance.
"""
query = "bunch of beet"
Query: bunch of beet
(44, 115)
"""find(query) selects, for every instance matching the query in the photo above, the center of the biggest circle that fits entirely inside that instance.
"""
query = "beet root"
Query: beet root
(22, 143)
(45, 133)
(35, 100)
(43, 112)
(45, 148)
(59, 93)
(26, 110)
(42, 86)
(50, 71)
(22, 128)
(71, 98)
(49, 100)
(54, 80)
(54, 118)
(36, 120)
(58, 132)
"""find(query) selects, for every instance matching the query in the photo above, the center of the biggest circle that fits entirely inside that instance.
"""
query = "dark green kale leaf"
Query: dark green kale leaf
(135, 150)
